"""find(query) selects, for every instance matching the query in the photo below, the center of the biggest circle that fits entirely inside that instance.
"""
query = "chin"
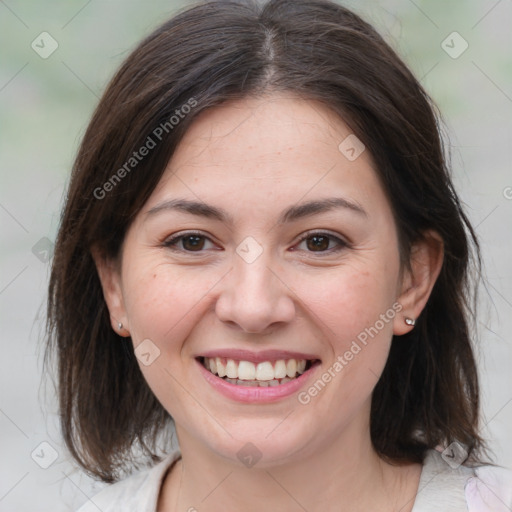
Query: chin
(263, 444)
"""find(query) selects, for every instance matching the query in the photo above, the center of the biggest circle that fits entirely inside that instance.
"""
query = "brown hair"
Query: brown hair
(204, 56)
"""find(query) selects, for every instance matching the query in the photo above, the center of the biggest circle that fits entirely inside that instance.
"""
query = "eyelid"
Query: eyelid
(170, 240)
(336, 236)
(342, 243)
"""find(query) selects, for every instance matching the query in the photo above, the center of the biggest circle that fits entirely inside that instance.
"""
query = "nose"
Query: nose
(254, 297)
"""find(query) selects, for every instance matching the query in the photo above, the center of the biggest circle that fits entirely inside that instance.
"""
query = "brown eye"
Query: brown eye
(191, 242)
(319, 243)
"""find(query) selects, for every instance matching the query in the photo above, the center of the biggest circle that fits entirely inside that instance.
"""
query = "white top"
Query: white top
(441, 489)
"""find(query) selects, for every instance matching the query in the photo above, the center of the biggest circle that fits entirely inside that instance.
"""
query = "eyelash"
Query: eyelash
(171, 242)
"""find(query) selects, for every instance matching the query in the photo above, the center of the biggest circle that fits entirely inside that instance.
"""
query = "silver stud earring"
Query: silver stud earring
(410, 321)
(119, 325)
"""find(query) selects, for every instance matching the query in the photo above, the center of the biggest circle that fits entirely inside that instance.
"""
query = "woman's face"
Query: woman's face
(303, 265)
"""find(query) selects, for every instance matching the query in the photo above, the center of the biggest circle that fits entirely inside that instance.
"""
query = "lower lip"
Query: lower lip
(256, 394)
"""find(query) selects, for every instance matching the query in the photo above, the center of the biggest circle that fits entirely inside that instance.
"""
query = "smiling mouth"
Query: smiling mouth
(263, 374)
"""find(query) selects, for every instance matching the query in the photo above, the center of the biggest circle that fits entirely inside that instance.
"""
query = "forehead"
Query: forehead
(256, 130)
(276, 147)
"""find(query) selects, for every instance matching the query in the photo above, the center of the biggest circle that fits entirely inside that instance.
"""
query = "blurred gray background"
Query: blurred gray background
(46, 100)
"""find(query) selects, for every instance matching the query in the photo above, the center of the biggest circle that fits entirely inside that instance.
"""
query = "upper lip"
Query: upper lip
(256, 357)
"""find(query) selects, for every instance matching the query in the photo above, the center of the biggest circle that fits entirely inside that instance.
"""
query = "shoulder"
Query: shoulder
(490, 489)
(448, 487)
(139, 492)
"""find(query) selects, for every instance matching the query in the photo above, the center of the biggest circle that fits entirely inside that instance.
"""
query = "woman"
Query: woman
(262, 246)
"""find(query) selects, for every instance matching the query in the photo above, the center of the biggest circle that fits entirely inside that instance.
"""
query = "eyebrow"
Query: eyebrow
(293, 213)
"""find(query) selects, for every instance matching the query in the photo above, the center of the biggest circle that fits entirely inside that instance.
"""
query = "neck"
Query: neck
(346, 474)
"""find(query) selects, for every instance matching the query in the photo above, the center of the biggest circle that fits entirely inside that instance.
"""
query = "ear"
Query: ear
(426, 260)
(110, 278)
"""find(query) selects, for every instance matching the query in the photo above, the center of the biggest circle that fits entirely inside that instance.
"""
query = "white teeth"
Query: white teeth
(280, 369)
(246, 370)
(231, 369)
(221, 369)
(264, 371)
(246, 373)
(291, 368)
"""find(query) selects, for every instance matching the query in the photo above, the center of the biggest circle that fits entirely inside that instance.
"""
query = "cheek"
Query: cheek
(161, 300)
(163, 304)
(349, 299)
(353, 306)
